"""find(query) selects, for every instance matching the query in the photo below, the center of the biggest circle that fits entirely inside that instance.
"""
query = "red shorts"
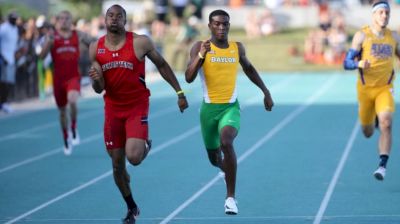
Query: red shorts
(61, 90)
(119, 126)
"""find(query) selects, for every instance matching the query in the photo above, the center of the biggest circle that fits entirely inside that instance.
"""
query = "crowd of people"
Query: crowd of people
(183, 19)
(29, 76)
(327, 43)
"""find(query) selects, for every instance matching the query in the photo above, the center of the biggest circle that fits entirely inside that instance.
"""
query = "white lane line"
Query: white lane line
(93, 181)
(84, 141)
(47, 154)
(243, 219)
(338, 171)
(51, 124)
(48, 125)
(256, 146)
(157, 114)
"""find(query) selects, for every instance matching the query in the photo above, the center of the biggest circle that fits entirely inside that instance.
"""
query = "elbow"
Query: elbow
(97, 89)
(349, 65)
(188, 78)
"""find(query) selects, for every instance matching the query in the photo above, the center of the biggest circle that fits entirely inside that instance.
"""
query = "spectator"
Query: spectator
(43, 65)
(8, 48)
(158, 26)
(337, 38)
(186, 37)
(179, 9)
(267, 23)
(197, 8)
(252, 28)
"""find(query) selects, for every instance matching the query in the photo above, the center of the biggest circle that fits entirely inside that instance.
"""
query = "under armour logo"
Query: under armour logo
(109, 143)
(114, 55)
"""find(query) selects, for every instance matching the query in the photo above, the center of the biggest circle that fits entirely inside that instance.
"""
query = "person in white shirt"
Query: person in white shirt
(8, 48)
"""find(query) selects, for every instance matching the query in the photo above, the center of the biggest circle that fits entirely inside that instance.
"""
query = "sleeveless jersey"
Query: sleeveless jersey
(124, 74)
(380, 53)
(65, 55)
(219, 73)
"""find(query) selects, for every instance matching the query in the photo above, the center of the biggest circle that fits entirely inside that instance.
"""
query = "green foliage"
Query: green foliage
(21, 9)
(79, 9)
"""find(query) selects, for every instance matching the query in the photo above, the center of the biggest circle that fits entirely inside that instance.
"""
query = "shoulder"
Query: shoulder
(359, 36)
(93, 45)
(396, 36)
(142, 38)
(198, 43)
(240, 47)
(239, 44)
(196, 46)
(80, 34)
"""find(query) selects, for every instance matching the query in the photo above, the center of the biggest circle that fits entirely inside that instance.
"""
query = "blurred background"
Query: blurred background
(279, 35)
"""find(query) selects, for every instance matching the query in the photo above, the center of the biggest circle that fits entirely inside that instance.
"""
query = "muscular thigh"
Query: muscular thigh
(209, 127)
(114, 130)
(384, 101)
(374, 100)
(214, 118)
(231, 117)
(60, 93)
(136, 125)
(122, 125)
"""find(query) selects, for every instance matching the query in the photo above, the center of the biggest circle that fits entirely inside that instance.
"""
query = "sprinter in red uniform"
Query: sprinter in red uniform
(63, 44)
(118, 68)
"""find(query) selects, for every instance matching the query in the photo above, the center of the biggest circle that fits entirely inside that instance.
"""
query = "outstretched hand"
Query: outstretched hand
(182, 103)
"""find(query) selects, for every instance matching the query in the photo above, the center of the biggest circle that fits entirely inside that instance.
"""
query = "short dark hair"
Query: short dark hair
(218, 12)
(116, 5)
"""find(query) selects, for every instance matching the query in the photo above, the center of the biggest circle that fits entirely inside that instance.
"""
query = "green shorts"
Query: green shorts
(213, 117)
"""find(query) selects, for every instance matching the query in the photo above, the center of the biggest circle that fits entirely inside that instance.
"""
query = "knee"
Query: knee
(385, 124)
(226, 146)
(214, 161)
(134, 159)
(63, 113)
(368, 131)
(215, 158)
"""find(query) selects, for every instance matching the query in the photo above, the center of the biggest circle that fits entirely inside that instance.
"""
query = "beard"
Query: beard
(115, 29)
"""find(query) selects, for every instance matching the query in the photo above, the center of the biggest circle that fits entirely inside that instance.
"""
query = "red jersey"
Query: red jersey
(124, 75)
(65, 55)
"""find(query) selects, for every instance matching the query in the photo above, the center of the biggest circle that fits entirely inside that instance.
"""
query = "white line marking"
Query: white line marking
(87, 184)
(338, 171)
(48, 125)
(215, 218)
(47, 154)
(86, 140)
(157, 114)
(257, 145)
(95, 180)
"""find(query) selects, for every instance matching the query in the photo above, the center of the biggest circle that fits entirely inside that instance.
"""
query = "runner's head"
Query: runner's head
(219, 24)
(115, 19)
(380, 13)
(64, 20)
